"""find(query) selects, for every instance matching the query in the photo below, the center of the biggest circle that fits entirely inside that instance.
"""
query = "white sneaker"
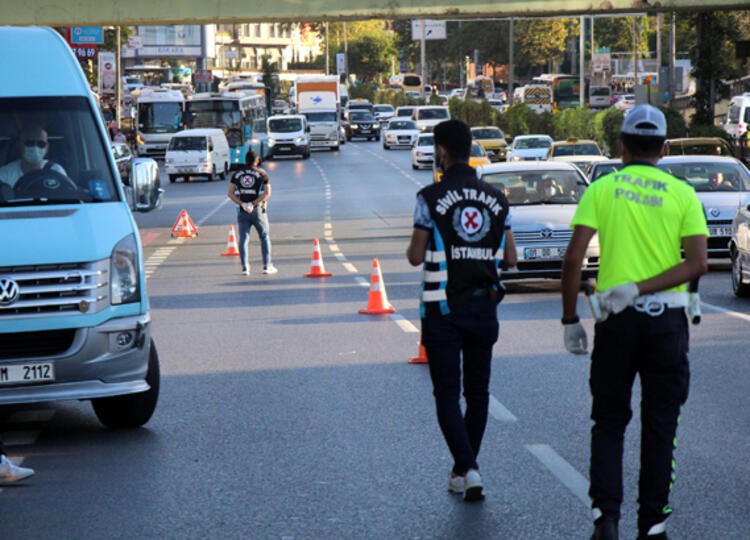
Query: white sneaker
(456, 484)
(473, 488)
(9, 472)
(270, 269)
(245, 272)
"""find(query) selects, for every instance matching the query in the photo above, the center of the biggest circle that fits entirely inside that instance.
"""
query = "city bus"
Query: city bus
(566, 89)
(158, 116)
(234, 113)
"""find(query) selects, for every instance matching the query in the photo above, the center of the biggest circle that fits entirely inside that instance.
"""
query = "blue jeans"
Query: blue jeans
(467, 333)
(259, 220)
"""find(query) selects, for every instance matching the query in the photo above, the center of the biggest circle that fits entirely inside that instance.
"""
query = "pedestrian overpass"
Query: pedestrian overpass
(149, 12)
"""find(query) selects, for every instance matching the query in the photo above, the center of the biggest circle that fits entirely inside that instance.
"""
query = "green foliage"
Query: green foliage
(707, 130)
(572, 123)
(519, 119)
(540, 40)
(364, 91)
(472, 112)
(605, 130)
(676, 126)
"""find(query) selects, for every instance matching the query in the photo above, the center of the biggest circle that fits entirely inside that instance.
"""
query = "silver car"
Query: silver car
(543, 197)
(528, 148)
(739, 251)
(723, 186)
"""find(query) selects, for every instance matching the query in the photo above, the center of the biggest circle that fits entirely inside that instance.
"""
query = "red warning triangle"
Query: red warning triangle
(184, 226)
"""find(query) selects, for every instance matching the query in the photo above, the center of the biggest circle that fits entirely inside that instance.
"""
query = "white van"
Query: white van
(738, 117)
(288, 135)
(198, 152)
(599, 96)
(428, 116)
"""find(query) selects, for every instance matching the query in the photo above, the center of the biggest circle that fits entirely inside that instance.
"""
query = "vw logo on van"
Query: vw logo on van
(9, 291)
(714, 212)
(545, 233)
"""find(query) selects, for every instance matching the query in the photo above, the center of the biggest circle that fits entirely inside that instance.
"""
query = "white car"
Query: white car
(400, 132)
(543, 196)
(383, 111)
(528, 148)
(423, 151)
(428, 116)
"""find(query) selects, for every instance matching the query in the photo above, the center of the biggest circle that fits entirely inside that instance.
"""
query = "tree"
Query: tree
(539, 41)
(370, 55)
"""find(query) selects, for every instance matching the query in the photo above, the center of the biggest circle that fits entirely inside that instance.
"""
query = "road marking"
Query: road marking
(499, 412)
(351, 268)
(361, 281)
(212, 212)
(726, 311)
(404, 324)
(334, 248)
(564, 471)
(148, 237)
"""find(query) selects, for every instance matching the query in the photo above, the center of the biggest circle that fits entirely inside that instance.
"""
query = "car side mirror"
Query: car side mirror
(307, 129)
(145, 193)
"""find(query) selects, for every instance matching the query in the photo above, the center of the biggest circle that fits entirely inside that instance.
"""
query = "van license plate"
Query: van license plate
(27, 373)
(544, 253)
(720, 231)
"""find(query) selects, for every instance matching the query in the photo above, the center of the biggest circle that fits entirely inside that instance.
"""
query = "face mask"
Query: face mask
(33, 155)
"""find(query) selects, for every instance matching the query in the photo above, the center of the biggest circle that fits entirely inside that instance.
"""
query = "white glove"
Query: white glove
(617, 298)
(575, 338)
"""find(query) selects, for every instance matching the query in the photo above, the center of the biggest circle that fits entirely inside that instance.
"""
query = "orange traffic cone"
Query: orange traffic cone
(316, 266)
(184, 226)
(377, 300)
(421, 357)
(233, 250)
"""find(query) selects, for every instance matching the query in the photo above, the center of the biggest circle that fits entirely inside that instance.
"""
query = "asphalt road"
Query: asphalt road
(286, 414)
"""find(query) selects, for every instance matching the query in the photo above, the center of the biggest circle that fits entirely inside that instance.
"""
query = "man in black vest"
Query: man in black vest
(462, 235)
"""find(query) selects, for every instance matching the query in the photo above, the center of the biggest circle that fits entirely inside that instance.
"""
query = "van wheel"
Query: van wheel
(133, 410)
(225, 172)
(306, 155)
(172, 178)
(741, 290)
(213, 175)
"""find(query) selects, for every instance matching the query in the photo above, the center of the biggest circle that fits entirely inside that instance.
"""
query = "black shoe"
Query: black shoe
(605, 528)
(660, 536)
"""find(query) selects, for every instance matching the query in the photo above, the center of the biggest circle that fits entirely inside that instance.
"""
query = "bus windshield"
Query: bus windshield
(159, 117)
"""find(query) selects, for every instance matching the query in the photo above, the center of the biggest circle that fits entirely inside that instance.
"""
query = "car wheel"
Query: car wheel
(335, 148)
(414, 167)
(740, 289)
(306, 155)
(225, 172)
(172, 178)
(386, 147)
(132, 410)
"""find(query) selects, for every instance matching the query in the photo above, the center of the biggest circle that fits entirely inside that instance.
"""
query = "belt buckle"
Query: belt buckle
(651, 305)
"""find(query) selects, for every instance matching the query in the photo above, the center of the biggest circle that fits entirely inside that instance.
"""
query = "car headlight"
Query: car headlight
(517, 158)
(124, 286)
(354, 126)
(299, 139)
(376, 126)
(271, 141)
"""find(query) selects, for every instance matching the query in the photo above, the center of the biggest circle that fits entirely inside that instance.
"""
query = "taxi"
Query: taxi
(580, 152)
(492, 140)
(477, 158)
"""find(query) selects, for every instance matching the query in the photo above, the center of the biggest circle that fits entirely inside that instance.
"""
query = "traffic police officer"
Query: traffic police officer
(461, 234)
(250, 188)
(643, 216)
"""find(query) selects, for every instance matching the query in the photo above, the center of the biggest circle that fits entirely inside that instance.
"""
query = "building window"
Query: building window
(258, 30)
(272, 29)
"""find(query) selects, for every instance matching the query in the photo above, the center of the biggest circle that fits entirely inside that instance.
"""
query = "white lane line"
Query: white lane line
(334, 247)
(327, 226)
(340, 257)
(353, 269)
(212, 212)
(361, 281)
(564, 471)
(18, 438)
(20, 417)
(499, 412)
(726, 311)
(404, 324)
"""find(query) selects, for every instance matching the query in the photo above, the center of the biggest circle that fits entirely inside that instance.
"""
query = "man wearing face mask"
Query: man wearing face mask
(34, 146)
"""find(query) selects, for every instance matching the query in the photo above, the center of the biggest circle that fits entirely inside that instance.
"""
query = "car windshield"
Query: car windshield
(284, 125)
(77, 166)
(600, 169)
(538, 187)
(477, 150)
(600, 91)
(528, 144)
(487, 133)
(582, 149)
(360, 116)
(718, 148)
(703, 176)
(383, 108)
(425, 141)
(187, 144)
(432, 114)
(404, 111)
(402, 124)
(321, 116)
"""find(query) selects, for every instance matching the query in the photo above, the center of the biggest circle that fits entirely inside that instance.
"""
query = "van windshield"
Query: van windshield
(600, 91)
(432, 114)
(76, 163)
(284, 125)
(187, 144)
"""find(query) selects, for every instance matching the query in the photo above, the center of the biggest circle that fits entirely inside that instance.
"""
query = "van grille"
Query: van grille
(36, 344)
(54, 289)
(543, 236)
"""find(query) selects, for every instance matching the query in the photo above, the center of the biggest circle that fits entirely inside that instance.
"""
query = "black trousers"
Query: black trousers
(463, 338)
(656, 349)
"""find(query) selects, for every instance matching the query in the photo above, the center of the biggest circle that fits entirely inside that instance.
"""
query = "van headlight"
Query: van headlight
(271, 141)
(124, 285)
(299, 140)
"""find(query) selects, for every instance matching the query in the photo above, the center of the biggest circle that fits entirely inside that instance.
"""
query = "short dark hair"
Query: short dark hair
(251, 157)
(645, 146)
(455, 137)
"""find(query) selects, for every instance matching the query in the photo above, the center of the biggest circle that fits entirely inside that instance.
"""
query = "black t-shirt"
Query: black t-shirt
(249, 183)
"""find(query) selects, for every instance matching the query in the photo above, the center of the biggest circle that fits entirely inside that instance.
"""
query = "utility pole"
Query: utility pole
(635, 52)
(460, 59)
(346, 53)
(672, 83)
(581, 46)
(510, 63)
(328, 70)
(423, 56)
(118, 90)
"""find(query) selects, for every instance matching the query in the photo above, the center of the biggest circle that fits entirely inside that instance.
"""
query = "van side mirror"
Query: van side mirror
(210, 147)
(307, 129)
(145, 192)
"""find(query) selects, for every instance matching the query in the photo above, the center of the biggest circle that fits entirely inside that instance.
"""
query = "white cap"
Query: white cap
(645, 120)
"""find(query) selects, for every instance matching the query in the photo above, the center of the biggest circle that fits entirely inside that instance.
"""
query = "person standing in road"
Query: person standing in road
(10, 472)
(462, 235)
(644, 217)
(249, 189)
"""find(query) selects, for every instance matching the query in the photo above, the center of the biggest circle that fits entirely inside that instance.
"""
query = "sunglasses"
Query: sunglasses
(38, 143)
